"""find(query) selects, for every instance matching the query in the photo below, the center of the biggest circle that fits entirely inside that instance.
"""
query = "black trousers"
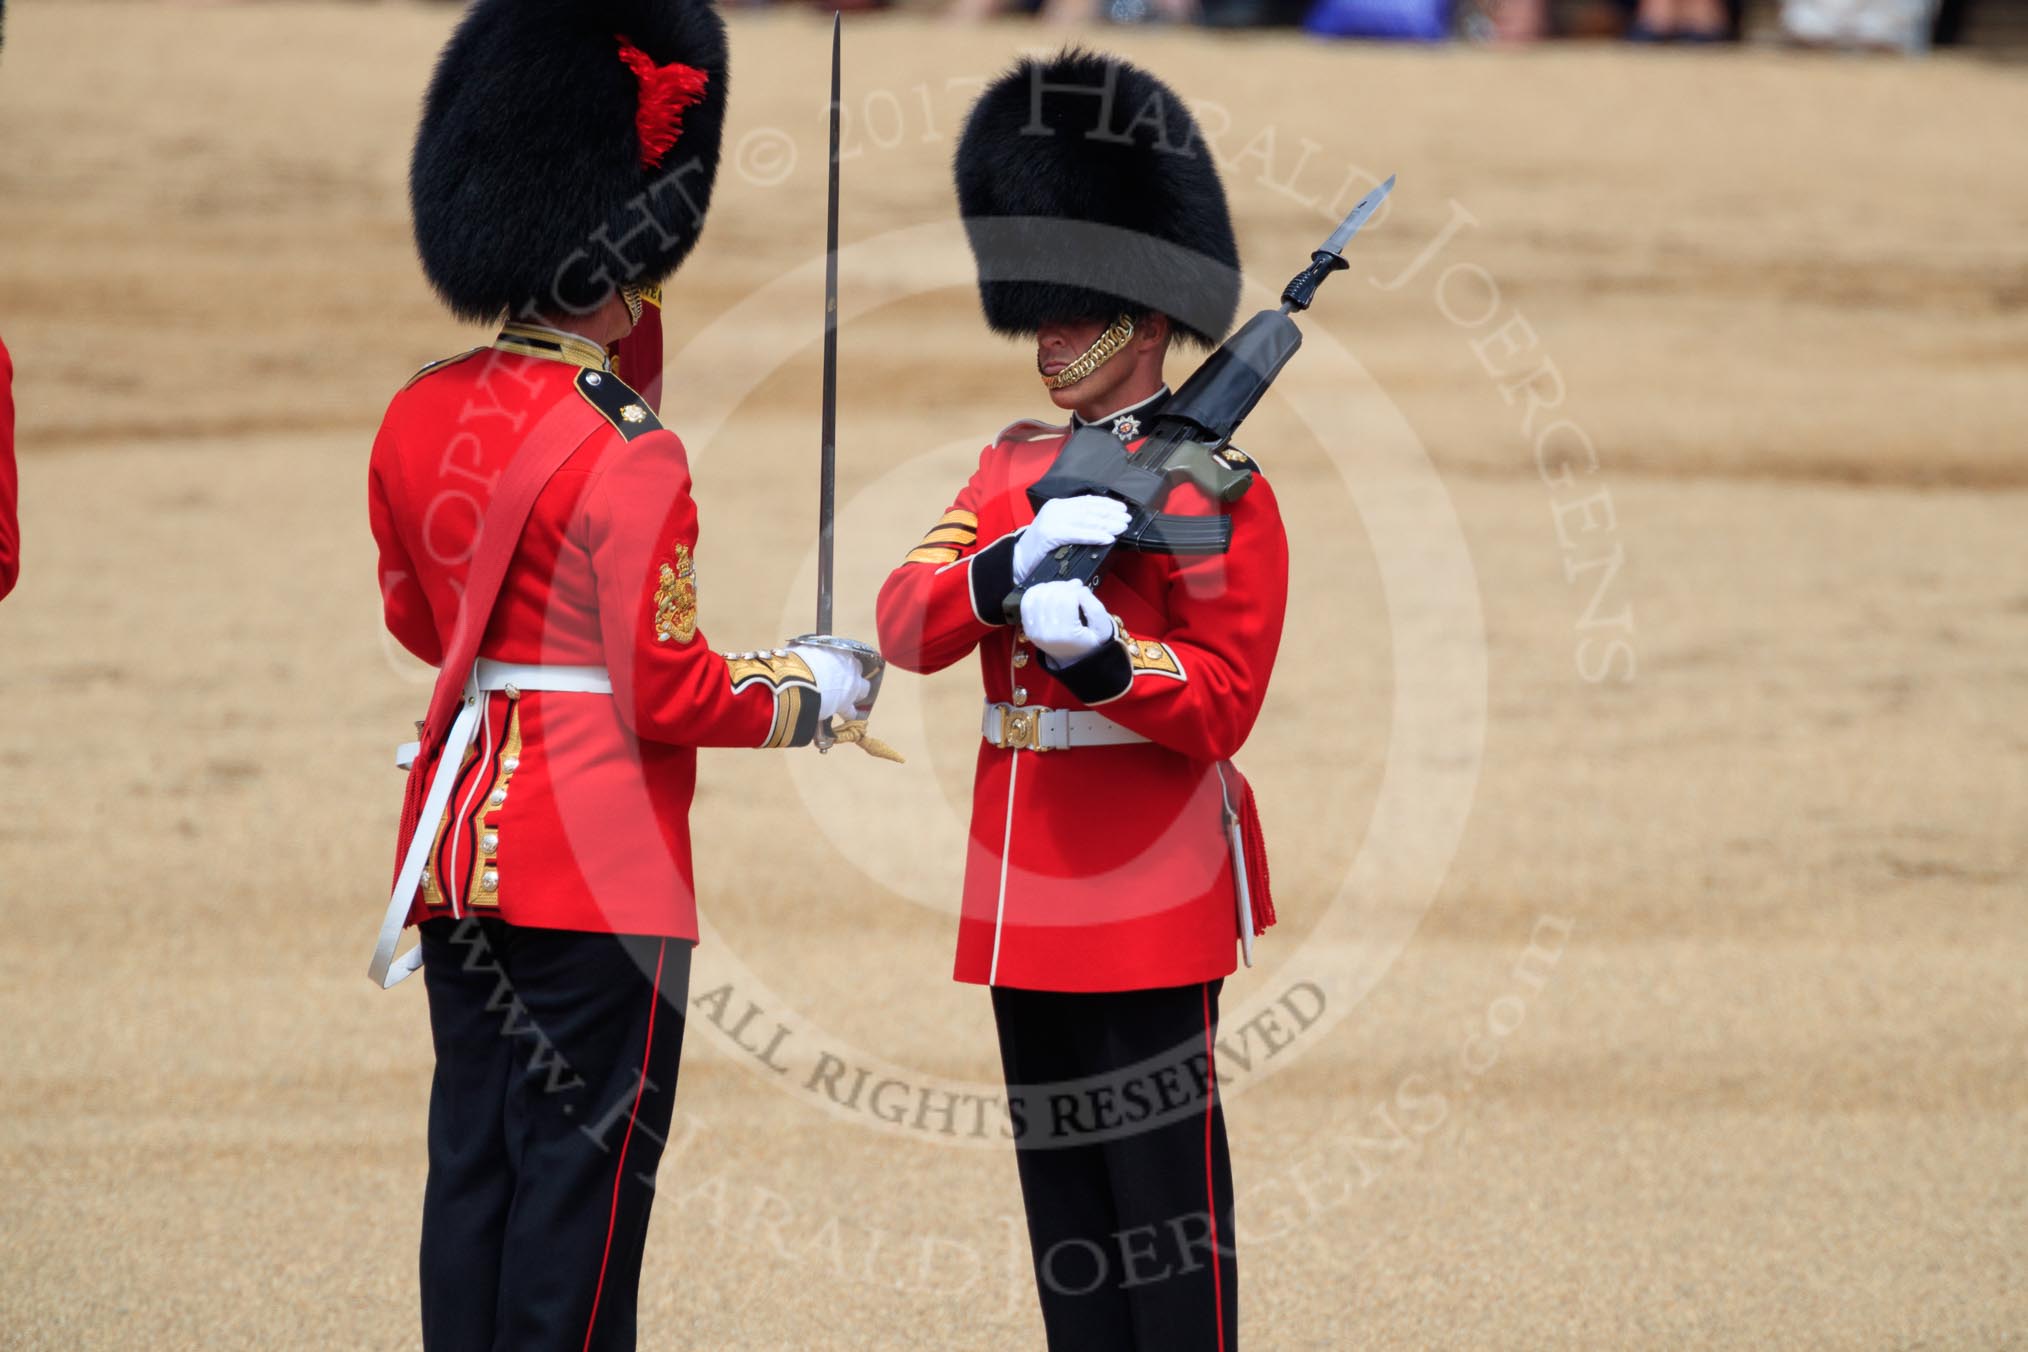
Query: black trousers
(1120, 1141)
(556, 1076)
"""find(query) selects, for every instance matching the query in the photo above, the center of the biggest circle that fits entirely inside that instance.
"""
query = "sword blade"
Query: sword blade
(1359, 215)
(827, 465)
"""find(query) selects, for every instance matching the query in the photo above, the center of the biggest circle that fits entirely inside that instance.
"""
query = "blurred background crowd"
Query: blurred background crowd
(1895, 26)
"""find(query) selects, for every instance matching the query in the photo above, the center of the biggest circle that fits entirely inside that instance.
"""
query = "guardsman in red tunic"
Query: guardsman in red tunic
(10, 528)
(539, 543)
(1101, 887)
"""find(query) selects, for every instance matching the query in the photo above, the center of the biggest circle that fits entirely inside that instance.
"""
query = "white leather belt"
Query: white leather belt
(1013, 728)
(490, 675)
(487, 677)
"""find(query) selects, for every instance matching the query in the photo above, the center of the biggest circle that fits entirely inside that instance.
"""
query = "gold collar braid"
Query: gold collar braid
(1102, 350)
(535, 340)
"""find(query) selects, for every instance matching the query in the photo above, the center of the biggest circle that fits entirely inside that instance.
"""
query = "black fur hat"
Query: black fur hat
(1087, 192)
(567, 147)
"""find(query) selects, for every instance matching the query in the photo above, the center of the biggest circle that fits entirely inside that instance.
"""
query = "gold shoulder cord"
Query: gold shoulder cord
(1098, 354)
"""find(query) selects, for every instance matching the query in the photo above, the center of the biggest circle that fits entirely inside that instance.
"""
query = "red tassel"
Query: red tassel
(1256, 864)
(1252, 845)
(665, 92)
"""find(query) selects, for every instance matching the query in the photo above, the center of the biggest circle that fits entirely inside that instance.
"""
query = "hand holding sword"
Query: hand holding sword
(852, 727)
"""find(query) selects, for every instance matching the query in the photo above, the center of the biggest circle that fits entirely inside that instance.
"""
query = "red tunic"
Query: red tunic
(572, 811)
(1099, 868)
(10, 528)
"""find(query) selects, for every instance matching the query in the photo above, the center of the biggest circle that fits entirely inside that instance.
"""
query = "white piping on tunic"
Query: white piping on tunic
(1006, 851)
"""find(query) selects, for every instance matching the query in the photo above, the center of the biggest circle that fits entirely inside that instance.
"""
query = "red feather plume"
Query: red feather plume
(665, 92)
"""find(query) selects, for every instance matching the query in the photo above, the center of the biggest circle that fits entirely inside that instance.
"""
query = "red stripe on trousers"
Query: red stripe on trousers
(1211, 1187)
(620, 1169)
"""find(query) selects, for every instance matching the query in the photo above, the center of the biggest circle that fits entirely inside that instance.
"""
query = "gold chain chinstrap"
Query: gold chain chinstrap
(1101, 351)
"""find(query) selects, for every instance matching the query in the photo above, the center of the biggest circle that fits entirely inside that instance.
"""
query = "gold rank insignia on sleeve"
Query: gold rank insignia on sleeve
(676, 599)
(950, 537)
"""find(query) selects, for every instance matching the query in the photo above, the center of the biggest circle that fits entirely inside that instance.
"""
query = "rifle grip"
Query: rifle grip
(1073, 563)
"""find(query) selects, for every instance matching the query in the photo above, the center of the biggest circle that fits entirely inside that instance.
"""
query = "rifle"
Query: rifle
(1190, 439)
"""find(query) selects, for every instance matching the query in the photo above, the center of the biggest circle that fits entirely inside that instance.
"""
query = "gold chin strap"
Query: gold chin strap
(635, 298)
(1102, 350)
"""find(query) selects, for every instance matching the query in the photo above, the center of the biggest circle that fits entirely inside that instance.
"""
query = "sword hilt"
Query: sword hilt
(871, 665)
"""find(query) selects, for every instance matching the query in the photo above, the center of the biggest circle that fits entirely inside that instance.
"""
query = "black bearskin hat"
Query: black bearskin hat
(567, 147)
(1088, 192)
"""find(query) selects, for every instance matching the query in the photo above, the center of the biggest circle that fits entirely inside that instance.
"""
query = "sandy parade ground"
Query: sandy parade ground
(1648, 830)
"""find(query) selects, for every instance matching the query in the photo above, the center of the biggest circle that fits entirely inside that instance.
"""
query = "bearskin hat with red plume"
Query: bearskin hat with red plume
(1087, 192)
(567, 148)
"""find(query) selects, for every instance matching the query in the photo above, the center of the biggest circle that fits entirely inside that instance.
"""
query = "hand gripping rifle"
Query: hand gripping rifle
(1188, 440)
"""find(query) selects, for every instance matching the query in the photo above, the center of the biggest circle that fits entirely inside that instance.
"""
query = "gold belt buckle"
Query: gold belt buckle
(1021, 730)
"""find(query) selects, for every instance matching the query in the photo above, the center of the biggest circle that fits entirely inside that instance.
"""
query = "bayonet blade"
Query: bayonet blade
(1359, 215)
(827, 466)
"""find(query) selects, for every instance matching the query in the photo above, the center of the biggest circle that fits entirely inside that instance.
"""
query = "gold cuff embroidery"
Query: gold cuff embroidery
(776, 667)
(784, 673)
(788, 711)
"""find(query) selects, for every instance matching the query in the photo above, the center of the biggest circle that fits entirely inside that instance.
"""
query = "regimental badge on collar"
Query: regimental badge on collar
(1127, 428)
(676, 599)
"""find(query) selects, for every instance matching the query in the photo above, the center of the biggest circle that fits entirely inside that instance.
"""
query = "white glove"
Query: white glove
(1090, 520)
(1065, 620)
(840, 684)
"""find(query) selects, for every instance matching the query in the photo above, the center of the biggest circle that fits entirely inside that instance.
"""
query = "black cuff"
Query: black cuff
(992, 570)
(804, 730)
(1101, 675)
